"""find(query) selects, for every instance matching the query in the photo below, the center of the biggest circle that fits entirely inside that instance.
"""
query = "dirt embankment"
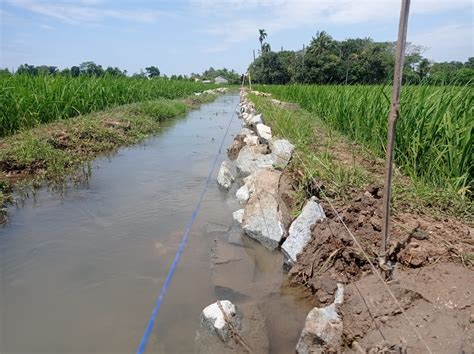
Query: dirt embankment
(433, 276)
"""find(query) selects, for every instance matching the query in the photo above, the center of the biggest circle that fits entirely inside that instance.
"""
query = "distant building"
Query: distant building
(206, 81)
(221, 80)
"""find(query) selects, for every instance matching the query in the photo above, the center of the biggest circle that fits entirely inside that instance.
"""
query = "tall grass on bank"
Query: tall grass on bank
(26, 101)
(434, 139)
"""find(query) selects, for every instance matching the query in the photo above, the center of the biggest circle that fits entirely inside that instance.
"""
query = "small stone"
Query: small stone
(225, 177)
(264, 132)
(238, 215)
(214, 321)
(255, 120)
(323, 327)
(322, 331)
(251, 140)
(243, 194)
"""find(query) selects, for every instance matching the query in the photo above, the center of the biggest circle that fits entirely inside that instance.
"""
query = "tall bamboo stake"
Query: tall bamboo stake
(392, 122)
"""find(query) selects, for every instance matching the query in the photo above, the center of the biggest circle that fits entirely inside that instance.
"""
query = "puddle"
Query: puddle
(80, 272)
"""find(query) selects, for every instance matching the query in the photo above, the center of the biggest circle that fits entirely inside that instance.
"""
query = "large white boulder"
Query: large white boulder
(225, 176)
(265, 217)
(214, 320)
(281, 151)
(264, 132)
(323, 327)
(300, 230)
(251, 159)
(263, 222)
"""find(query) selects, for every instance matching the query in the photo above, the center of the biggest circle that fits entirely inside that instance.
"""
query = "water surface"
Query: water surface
(80, 272)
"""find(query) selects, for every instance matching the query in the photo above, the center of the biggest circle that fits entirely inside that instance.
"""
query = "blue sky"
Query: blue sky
(184, 36)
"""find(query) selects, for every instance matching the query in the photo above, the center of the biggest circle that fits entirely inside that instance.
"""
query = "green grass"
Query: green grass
(325, 155)
(51, 150)
(26, 101)
(434, 142)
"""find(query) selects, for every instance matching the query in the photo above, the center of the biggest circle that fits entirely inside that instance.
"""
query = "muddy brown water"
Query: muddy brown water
(80, 272)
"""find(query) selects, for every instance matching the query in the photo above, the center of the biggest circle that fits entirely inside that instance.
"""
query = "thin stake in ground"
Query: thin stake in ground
(392, 123)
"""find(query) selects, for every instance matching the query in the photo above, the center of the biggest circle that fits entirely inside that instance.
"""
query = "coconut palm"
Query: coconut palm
(320, 43)
(262, 37)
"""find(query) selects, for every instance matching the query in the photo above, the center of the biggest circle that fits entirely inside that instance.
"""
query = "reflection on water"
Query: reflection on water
(79, 273)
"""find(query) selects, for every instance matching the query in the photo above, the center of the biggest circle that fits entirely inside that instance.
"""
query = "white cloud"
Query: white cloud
(280, 15)
(447, 43)
(47, 27)
(84, 11)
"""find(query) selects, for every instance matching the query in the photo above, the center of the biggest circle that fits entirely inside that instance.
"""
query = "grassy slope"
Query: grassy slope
(52, 151)
(28, 101)
(434, 141)
(342, 166)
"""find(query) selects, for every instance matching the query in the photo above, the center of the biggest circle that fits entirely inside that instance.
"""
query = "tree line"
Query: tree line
(91, 69)
(88, 68)
(351, 61)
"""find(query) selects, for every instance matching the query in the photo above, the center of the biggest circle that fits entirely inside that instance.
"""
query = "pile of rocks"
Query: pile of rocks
(264, 217)
(212, 92)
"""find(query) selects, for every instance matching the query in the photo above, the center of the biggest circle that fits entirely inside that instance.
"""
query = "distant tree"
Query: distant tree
(140, 75)
(266, 48)
(5, 72)
(90, 68)
(27, 69)
(152, 71)
(262, 36)
(65, 72)
(211, 73)
(269, 69)
(469, 63)
(75, 71)
(423, 69)
(114, 71)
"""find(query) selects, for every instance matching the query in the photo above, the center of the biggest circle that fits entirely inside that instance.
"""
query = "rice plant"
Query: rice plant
(26, 101)
(434, 139)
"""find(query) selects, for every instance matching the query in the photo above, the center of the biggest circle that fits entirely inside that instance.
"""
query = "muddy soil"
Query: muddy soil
(433, 272)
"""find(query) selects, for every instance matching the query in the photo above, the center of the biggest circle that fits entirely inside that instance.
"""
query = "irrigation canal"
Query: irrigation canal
(80, 272)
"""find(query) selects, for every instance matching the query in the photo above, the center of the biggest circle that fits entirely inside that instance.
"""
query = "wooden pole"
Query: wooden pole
(254, 55)
(392, 123)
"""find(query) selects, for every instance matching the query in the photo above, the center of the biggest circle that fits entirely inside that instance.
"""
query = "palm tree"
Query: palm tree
(266, 48)
(262, 37)
(321, 42)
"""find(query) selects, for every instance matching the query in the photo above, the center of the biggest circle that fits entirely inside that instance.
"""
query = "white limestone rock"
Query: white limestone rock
(265, 217)
(225, 176)
(251, 140)
(300, 230)
(264, 132)
(243, 194)
(213, 320)
(251, 159)
(238, 215)
(256, 119)
(281, 151)
(323, 328)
